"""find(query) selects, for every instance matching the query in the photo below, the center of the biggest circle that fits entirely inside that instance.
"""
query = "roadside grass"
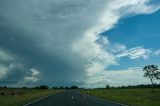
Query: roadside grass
(131, 97)
(18, 97)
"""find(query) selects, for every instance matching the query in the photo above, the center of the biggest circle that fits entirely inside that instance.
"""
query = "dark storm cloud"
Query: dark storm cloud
(40, 37)
(55, 67)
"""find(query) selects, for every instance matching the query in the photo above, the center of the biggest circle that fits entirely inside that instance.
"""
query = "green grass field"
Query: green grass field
(131, 97)
(18, 97)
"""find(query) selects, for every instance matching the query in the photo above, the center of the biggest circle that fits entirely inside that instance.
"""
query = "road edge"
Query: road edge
(26, 104)
(36, 100)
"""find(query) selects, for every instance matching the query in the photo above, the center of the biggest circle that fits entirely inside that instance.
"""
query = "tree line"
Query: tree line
(47, 87)
(133, 86)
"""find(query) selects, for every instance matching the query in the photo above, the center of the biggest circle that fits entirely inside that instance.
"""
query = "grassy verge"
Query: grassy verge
(131, 97)
(18, 97)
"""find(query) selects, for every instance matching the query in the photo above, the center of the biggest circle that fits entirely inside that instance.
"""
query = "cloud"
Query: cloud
(135, 53)
(58, 37)
(5, 59)
(33, 77)
(34, 72)
(124, 77)
(5, 56)
(13, 72)
(3, 71)
(116, 48)
(114, 11)
(157, 53)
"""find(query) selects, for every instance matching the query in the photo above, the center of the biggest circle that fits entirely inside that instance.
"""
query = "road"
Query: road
(72, 98)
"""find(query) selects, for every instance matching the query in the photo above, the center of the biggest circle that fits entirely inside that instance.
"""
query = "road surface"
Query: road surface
(72, 98)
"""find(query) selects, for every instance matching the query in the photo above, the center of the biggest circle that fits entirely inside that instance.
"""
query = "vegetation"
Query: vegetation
(18, 97)
(152, 72)
(74, 87)
(65, 88)
(132, 86)
(42, 87)
(131, 97)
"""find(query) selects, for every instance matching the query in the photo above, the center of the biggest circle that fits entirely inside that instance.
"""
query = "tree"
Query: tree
(74, 87)
(43, 87)
(153, 73)
(54, 88)
(61, 87)
(107, 87)
(66, 88)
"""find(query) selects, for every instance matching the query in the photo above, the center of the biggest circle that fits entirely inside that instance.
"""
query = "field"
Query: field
(131, 97)
(18, 97)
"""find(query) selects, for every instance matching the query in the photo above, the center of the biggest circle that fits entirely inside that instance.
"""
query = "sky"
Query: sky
(87, 43)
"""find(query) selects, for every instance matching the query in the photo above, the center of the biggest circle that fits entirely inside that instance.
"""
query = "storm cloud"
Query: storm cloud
(58, 39)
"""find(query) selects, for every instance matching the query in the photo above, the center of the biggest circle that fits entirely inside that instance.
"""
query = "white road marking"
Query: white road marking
(36, 100)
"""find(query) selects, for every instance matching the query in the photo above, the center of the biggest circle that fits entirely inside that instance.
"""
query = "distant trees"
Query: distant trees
(107, 87)
(42, 87)
(55, 87)
(24, 87)
(65, 88)
(153, 73)
(74, 87)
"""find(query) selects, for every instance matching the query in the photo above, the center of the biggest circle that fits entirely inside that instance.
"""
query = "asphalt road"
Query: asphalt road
(71, 98)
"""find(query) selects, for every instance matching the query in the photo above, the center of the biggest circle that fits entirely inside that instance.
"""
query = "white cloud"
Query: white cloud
(30, 79)
(157, 53)
(116, 48)
(131, 76)
(34, 72)
(33, 77)
(114, 11)
(135, 53)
